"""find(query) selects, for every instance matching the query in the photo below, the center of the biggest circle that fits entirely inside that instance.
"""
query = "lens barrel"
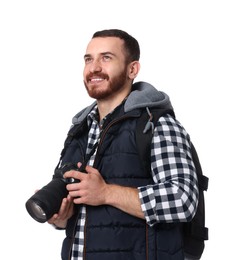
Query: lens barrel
(47, 201)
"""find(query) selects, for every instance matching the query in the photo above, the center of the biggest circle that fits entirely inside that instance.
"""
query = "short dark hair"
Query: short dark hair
(131, 44)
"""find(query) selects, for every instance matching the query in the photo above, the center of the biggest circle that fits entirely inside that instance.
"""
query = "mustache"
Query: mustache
(98, 74)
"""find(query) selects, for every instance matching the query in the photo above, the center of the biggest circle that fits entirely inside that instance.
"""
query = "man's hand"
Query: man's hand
(65, 212)
(93, 190)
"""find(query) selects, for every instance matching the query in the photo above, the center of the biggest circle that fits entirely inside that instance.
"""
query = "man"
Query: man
(118, 210)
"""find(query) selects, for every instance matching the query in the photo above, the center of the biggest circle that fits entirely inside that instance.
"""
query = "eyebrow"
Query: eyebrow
(102, 53)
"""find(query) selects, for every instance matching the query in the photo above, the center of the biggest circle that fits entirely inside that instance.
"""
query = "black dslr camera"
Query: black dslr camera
(47, 201)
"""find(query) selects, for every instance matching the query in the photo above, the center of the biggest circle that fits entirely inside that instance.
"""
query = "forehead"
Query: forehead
(105, 44)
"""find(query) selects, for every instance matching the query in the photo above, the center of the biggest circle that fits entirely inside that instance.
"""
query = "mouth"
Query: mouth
(96, 79)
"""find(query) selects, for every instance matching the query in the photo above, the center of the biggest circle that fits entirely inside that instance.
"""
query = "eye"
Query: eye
(106, 58)
(87, 60)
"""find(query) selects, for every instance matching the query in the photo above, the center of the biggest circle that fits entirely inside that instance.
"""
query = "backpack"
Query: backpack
(194, 233)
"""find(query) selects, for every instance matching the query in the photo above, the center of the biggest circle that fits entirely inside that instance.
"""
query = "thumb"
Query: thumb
(79, 164)
(90, 169)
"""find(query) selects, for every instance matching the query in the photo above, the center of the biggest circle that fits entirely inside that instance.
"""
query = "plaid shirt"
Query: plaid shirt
(173, 196)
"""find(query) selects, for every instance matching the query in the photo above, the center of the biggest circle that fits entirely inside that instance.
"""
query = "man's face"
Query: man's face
(105, 71)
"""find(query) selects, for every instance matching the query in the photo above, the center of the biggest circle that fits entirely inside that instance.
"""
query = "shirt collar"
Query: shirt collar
(93, 116)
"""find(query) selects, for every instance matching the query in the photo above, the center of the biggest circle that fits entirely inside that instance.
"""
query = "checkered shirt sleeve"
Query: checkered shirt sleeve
(173, 196)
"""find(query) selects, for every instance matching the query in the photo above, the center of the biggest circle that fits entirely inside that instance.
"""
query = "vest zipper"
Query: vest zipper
(105, 130)
(73, 238)
(84, 251)
(146, 241)
(101, 138)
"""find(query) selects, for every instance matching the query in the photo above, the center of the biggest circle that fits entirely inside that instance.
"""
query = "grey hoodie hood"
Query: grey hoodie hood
(142, 95)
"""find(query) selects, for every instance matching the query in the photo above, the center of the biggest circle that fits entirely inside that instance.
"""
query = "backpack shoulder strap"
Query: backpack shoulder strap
(146, 122)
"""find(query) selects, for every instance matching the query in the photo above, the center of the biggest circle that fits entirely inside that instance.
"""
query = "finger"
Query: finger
(64, 209)
(77, 193)
(79, 164)
(73, 174)
(53, 219)
(90, 169)
(79, 200)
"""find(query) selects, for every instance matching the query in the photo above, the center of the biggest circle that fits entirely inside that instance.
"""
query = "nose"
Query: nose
(95, 66)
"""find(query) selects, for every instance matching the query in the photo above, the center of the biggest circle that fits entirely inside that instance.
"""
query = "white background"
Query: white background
(187, 51)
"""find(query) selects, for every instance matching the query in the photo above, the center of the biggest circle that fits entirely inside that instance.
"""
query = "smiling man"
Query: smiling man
(118, 209)
(109, 71)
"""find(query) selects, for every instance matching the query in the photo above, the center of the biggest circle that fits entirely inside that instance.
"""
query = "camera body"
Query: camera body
(47, 201)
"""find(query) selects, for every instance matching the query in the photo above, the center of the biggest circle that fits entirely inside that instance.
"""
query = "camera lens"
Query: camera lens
(36, 211)
(47, 201)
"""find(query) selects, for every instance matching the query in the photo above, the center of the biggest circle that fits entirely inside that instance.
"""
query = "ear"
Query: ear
(133, 68)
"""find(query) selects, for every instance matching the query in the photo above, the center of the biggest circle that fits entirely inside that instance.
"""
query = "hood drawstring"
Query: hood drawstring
(149, 123)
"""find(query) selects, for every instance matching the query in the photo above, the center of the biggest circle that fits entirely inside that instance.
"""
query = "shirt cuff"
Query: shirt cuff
(148, 204)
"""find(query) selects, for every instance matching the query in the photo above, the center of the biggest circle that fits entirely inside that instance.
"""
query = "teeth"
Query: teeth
(97, 79)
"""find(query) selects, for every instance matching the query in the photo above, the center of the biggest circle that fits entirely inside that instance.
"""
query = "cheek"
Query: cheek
(113, 71)
(85, 72)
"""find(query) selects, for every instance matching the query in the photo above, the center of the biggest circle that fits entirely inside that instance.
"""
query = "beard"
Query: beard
(114, 85)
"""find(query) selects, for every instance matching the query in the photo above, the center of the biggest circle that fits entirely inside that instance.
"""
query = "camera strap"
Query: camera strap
(89, 155)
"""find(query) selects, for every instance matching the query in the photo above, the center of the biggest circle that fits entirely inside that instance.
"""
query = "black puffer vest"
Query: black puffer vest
(111, 234)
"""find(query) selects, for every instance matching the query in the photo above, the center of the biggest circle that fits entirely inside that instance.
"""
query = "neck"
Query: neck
(107, 106)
